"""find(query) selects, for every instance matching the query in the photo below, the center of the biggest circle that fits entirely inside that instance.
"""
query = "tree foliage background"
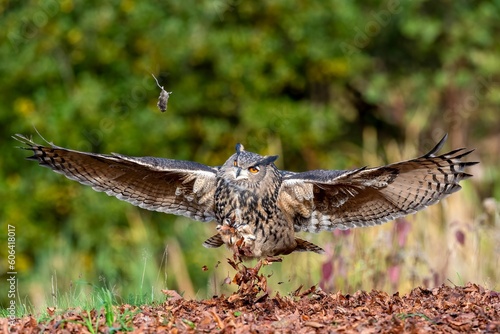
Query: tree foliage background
(324, 84)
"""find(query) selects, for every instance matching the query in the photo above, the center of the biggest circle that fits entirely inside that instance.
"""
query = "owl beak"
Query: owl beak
(240, 174)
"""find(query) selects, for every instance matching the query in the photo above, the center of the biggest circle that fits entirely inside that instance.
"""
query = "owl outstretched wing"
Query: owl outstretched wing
(173, 186)
(323, 200)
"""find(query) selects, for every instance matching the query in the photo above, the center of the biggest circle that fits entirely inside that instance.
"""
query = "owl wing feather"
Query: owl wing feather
(322, 200)
(172, 186)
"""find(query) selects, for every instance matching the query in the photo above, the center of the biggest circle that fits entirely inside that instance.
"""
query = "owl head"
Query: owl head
(248, 169)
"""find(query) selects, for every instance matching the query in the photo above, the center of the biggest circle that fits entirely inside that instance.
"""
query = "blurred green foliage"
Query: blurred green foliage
(324, 84)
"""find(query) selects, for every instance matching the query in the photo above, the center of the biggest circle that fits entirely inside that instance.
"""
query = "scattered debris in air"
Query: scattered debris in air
(163, 98)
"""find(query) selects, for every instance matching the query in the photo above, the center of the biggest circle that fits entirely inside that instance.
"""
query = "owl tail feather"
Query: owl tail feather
(214, 241)
(306, 246)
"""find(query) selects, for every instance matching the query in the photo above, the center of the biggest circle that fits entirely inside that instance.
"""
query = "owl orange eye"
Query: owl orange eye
(235, 163)
(253, 169)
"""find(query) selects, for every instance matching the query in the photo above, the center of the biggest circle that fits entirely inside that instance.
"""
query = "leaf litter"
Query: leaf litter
(251, 309)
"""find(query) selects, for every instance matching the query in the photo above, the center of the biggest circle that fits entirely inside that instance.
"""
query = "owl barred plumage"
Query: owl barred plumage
(259, 208)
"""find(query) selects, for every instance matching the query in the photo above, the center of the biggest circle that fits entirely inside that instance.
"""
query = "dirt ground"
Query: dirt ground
(445, 309)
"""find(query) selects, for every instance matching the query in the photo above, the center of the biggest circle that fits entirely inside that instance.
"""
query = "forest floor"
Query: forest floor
(441, 310)
(444, 309)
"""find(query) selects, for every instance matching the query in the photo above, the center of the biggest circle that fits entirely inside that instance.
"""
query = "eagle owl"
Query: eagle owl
(259, 208)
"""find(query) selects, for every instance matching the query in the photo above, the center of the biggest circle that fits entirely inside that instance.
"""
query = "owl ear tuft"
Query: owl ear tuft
(240, 148)
(268, 160)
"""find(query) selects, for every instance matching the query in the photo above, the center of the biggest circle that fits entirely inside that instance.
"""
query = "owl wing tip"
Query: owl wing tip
(24, 140)
(436, 148)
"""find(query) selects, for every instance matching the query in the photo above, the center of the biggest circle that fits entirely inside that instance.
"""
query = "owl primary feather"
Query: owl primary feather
(257, 207)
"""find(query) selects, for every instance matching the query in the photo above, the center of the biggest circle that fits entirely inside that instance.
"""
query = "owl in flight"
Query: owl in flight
(259, 208)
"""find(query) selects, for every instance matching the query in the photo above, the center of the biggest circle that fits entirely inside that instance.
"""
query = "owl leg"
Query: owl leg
(246, 233)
